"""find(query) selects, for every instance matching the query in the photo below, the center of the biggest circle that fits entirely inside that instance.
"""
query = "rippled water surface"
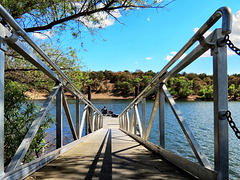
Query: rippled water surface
(199, 117)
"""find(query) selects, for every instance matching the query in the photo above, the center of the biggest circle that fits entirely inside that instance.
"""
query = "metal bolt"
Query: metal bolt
(222, 115)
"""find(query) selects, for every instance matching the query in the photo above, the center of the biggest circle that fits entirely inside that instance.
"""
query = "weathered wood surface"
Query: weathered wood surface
(109, 154)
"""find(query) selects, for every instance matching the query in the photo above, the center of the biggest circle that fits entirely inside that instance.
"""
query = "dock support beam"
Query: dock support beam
(220, 81)
(59, 124)
(144, 118)
(161, 117)
(2, 61)
(78, 117)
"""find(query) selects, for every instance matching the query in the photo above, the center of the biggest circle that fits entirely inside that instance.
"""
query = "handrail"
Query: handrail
(224, 12)
(9, 19)
(62, 83)
(220, 88)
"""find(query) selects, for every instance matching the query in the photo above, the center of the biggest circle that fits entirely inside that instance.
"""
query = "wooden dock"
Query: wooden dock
(109, 154)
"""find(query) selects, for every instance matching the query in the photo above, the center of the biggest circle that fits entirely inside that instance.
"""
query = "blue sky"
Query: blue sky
(150, 37)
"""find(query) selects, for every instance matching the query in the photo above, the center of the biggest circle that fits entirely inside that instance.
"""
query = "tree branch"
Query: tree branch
(30, 69)
(106, 8)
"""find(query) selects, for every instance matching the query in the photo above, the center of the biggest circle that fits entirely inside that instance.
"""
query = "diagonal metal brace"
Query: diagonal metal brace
(202, 158)
(22, 149)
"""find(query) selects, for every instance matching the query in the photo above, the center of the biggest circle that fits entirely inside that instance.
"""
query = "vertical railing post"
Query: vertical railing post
(2, 61)
(122, 120)
(89, 117)
(220, 81)
(135, 120)
(97, 121)
(86, 121)
(161, 117)
(128, 121)
(78, 116)
(125, 121)
(101, 118)
(144, 117)
(59, 125)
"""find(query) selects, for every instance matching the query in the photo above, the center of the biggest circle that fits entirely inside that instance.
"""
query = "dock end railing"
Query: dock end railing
(91, 118)
(131, 123)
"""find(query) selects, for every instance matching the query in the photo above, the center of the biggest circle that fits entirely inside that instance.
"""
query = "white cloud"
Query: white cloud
(148, 58)
(206, 33)
(148, 19)
(42, 36)
(168, 58)
(172, 54)
(234, 36)
(104, 19)
(136, 62)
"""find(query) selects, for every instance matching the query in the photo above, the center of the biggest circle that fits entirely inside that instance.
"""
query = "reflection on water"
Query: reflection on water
(199, 116)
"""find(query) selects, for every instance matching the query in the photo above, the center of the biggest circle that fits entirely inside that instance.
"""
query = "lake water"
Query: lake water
(199, 116)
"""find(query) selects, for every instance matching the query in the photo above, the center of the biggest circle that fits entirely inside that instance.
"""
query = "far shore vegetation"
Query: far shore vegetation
(123, 83)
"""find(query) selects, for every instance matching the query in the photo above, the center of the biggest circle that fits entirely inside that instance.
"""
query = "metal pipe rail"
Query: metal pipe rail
(19, 31)
(91, 117)
(131, 123)
(223, 12)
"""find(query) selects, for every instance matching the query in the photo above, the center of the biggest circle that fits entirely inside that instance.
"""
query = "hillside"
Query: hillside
(118, 85)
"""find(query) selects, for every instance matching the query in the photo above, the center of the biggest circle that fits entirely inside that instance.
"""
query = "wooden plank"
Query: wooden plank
(69, 117)
(22, 149)
(110, 154)
(25, 170)
(184, 164)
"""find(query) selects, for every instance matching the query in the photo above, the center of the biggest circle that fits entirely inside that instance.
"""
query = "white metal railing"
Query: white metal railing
(91, 117)
(131, 123)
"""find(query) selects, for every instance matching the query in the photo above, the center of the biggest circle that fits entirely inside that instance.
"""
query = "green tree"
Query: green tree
(145, 80)
(123, 88)
(135, 81)
(20, 70)
(19, 113)
(180, 87)
(231, 90)
(206, 92)
(59, 15)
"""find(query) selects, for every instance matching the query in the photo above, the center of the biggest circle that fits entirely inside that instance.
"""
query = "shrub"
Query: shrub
(19, 113)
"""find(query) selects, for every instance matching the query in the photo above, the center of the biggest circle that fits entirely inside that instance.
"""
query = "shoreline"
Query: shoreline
(42, 96)
(34, 95)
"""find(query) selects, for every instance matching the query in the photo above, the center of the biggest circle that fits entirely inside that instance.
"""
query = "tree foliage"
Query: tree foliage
(35, 15)
(180, 86)
(20, 70)
(19, 114)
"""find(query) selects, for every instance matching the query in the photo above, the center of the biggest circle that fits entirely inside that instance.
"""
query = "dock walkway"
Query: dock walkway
(109, 154)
